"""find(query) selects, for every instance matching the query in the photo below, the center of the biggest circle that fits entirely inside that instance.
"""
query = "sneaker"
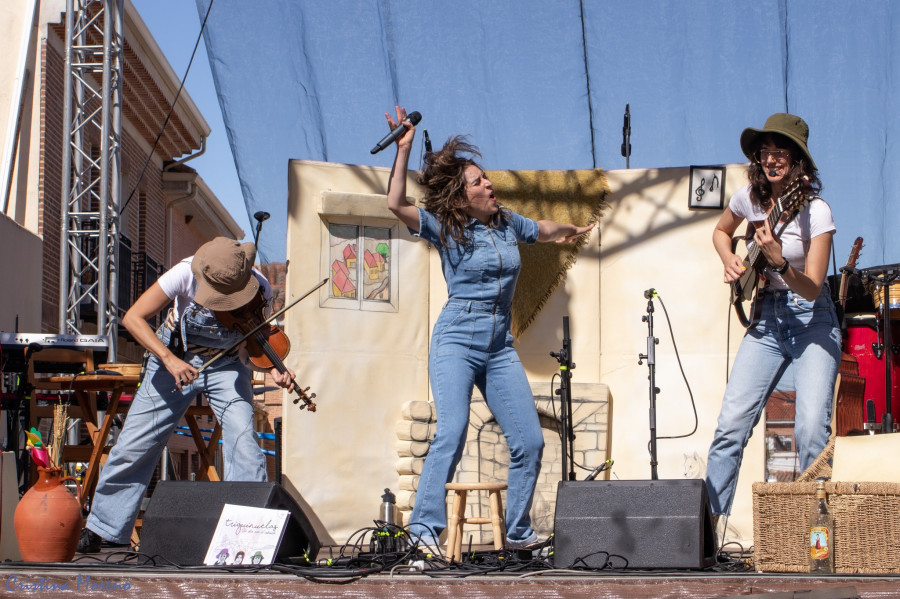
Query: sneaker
(89, 541)
(531, 543)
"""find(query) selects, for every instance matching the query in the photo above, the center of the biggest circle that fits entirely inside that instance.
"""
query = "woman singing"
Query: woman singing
(471, 344)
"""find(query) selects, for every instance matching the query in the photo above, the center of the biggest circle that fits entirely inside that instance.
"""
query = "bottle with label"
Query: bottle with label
(821, 539)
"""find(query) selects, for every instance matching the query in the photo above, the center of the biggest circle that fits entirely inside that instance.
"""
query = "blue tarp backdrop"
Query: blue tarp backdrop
(543, 85)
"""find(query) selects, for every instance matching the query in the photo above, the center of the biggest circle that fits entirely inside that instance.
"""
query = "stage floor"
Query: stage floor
(89, 575)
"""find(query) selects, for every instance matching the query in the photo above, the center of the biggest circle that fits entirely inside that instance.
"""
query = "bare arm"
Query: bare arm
(808, 283)
(396, 196)
(135, 320)
(722, 235)
(549, 230)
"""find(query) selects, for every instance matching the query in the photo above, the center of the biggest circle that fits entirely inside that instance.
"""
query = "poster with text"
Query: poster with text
(246, 536)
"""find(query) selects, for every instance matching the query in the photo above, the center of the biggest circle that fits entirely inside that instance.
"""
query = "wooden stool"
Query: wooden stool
(457, 517)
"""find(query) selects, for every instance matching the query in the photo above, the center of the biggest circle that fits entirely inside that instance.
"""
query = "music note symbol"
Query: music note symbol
(714, 183)
(700, 191)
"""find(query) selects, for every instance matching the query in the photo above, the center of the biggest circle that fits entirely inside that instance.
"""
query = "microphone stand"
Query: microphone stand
(883, 277)
(566, 366)
(650, 356)
(260, 217)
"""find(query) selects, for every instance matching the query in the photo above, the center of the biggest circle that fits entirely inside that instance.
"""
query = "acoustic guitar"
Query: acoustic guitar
(850, 388)
(746, 289)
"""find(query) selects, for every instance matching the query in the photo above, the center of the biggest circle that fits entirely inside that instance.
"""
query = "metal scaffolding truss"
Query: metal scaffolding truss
(91, 191)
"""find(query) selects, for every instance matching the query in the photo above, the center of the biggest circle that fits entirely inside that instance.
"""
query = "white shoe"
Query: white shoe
(531, 542)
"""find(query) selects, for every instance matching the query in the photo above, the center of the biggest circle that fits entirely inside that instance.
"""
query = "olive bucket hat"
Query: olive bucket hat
(788, 125)
(223, 269)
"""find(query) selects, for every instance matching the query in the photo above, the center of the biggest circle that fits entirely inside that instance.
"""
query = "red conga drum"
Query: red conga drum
(861, 334)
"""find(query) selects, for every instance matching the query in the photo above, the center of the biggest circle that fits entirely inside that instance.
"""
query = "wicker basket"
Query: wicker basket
(866, 526)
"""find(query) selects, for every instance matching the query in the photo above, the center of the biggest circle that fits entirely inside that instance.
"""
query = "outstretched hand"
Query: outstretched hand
(573, 237)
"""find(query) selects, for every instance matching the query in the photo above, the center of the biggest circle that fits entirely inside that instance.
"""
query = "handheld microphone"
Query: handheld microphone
(650, 293)
(398, 131)
(773, 172)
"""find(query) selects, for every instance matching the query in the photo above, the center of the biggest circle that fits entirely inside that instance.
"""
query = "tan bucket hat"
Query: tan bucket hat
(223, 269)
(788, 125)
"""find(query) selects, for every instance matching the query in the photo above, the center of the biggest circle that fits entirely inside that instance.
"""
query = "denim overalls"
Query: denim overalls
(157, 408)
(792, 331)
(471, 345)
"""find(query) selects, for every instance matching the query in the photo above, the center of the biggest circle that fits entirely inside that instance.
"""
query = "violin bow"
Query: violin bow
(259, 327)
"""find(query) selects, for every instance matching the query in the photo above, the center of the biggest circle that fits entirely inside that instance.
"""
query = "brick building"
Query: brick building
(166, 210)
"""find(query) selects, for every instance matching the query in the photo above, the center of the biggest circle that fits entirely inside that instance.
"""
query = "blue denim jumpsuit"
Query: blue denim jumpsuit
(471, 345)
(157, 408)
(795, 332)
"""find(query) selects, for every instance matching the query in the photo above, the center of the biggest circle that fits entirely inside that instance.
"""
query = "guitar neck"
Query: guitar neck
(845, 276)
(754, 256)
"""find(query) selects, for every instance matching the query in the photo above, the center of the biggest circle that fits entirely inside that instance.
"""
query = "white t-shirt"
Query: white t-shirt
(812, 221)
(178, 284)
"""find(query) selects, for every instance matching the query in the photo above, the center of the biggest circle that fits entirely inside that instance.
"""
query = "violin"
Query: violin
(267, 345)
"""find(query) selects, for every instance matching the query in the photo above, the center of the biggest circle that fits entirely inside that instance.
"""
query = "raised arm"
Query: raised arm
(396, 196)
(549, 230)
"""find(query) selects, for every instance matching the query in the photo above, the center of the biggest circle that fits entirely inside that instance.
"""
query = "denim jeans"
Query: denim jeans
(792, 331)
(471, 346)
(156, 409)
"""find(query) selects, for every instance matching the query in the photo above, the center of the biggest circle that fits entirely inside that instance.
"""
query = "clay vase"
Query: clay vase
(48, 519)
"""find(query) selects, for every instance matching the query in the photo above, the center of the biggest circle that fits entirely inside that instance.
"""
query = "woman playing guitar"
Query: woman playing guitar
(796, 323)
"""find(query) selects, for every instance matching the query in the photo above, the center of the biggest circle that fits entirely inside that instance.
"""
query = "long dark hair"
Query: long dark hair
(443, 178)
(761, 189)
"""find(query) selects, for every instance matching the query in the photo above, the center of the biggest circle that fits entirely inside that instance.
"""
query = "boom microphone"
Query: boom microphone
(398, 131)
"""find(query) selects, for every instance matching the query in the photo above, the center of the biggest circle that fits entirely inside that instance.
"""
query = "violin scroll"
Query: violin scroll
(305, 398)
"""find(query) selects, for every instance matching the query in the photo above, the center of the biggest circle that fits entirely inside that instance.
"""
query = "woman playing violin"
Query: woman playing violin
(219, 278)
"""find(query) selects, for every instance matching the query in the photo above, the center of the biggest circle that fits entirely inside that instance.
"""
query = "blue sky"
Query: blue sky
(175, 26)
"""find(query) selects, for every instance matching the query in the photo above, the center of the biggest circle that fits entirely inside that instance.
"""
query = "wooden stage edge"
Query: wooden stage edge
(89, 577)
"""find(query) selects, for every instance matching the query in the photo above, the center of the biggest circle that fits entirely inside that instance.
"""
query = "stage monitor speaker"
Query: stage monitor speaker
(648, 524)
(181, 518)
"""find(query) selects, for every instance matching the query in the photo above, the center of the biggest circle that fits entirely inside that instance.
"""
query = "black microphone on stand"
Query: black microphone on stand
(626, 136)
(396, 133)
(260, 217)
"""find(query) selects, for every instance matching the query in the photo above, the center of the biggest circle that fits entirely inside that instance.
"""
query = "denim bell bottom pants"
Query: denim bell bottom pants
(156, 409)
(472, 347)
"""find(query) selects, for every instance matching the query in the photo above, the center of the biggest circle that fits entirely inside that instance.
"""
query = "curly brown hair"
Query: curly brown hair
(443, 178)
(761, 189)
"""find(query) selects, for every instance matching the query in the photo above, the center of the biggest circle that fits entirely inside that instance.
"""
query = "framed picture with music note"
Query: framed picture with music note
(707, 187)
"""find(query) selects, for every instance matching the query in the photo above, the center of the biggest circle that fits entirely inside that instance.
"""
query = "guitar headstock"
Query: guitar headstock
(796, 197)
(846, 270)
(855, 250)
